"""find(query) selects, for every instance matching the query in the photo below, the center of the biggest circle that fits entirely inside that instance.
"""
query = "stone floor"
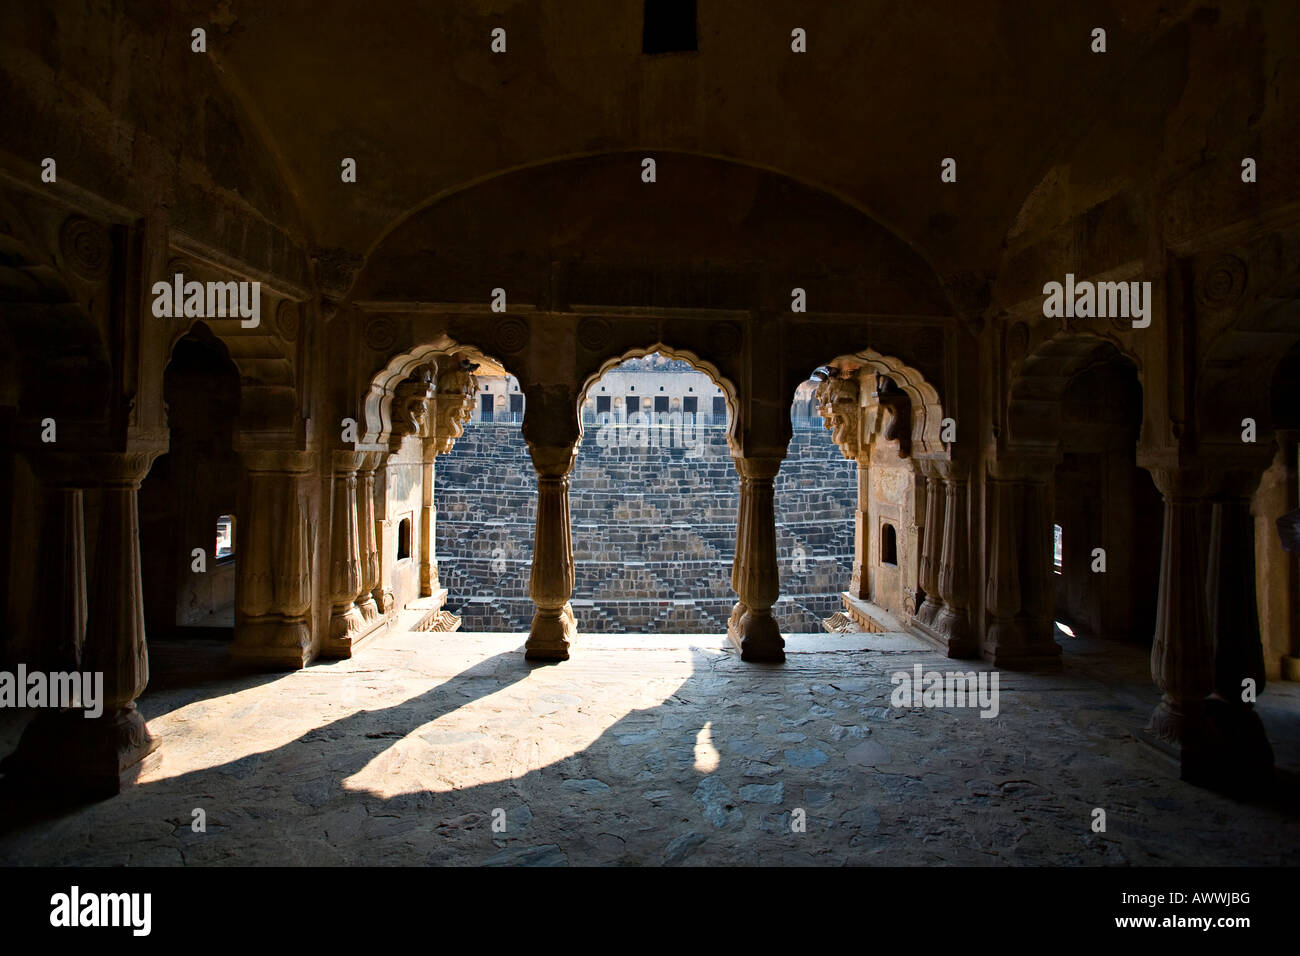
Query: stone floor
(651, 751)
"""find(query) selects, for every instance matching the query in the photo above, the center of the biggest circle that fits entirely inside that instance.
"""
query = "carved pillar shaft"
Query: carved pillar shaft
(860, 584)
(931, 547)
(1002, 595)
(951, 623)
(63, 584)
(1231, 607)
(69, 749)
(1037, 577)
(1182, 655)
(551, 583)
(115, 637)
(428, 522)
(370, 598)
(345, 558)
(755, 574)
(1207, 632)
(273, 555)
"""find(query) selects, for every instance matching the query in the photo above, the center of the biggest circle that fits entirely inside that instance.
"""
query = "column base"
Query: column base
(369, 609)
(67, 755)
(1219, 744)
(552, 633)
(275, 643)
(1010, 646)
(928, 611)
(1291, 668)
(348, 629)
(953, 629)
(756, 635)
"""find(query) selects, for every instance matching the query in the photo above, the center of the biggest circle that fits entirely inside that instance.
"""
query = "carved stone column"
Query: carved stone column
(273, 558)
(931, 545)
(429, 583)
(1244, 757)
(371, 599)
(66, 750)
(1037, 630)
(860, 583)
(346, 621)
(755, 574)
(952, 623)
(62, 581)
(1182, 654)
(551, 584)
(1002, 592)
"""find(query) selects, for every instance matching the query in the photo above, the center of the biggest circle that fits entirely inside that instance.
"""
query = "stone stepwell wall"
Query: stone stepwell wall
(654, 530)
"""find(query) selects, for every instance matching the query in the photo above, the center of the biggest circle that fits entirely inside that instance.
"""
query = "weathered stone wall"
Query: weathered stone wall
(654, 531)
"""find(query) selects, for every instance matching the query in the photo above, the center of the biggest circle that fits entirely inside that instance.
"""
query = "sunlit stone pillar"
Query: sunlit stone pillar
(551, 584)
(951, 623)
(860, 583)
(931, 546)
(755, 575)
(371, 599)
(346, 619)
(429, 583)
(273, 560)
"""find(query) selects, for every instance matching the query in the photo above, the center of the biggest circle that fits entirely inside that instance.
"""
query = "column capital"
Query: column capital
(758, 467)
(347, 459)
(553, 461)
(122, 468)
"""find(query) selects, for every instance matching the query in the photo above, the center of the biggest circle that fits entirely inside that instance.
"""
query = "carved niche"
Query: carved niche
(897, 409)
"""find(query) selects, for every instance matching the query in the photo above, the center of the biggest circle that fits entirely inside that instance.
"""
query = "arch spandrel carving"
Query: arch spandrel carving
(924, 427)
(383, 410)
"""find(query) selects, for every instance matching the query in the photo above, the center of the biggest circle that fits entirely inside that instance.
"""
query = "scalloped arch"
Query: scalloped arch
(729, 391)
(927, 409)
(377, 403)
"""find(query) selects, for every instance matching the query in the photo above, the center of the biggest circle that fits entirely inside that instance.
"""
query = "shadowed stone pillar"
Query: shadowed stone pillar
(1037, 621)
(345, 557)
(551, 583)
(1002, 592)
(931, 546)
(62, 584)
(755, 575)
(1020, 594)
(1182, 654)
(66, 750)
(1244, 757)
(370, 601)
(115, 638)
(951, 623)
(273, 555)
